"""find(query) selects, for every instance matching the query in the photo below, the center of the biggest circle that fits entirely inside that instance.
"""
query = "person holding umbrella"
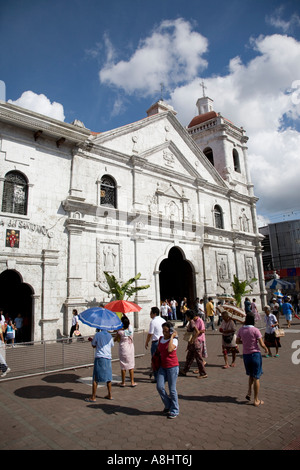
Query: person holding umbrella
(102, 342)
(104, 321)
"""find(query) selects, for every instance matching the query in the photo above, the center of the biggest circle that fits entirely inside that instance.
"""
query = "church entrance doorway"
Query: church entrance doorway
(16, 298)
(177, 279)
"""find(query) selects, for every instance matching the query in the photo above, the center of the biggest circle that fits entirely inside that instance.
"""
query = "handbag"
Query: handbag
(228, 338)
(279, 332)
(156, 361)
(187, 336)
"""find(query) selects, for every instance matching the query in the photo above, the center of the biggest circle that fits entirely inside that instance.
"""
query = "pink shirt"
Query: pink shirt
(199, 324)
(249, 335)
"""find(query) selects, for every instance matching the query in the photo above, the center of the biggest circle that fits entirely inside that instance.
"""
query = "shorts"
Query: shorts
(253, 364)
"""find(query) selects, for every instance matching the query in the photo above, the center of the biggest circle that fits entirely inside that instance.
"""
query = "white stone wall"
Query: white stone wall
(166, 193)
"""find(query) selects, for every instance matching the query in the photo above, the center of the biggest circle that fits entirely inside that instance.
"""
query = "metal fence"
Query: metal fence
(43, 357)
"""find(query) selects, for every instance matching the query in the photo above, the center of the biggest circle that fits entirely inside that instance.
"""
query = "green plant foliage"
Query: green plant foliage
(239, 288)
(119, 291)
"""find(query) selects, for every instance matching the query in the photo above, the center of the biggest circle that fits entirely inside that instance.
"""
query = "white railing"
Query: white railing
(43, 357)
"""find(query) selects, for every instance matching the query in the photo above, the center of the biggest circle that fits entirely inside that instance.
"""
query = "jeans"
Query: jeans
(153, 349)
(173, 313)
(211, 323)
(170, 401)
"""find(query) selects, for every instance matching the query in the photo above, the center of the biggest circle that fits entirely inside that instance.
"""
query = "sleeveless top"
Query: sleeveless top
(168, 360)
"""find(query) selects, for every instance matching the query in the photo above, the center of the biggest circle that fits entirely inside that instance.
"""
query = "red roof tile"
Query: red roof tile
(202, 118)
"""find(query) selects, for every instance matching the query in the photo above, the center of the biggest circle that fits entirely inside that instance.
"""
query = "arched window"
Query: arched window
(218, 214)
(108, 196)
(236, 161)
(15, 193)
(209, 154)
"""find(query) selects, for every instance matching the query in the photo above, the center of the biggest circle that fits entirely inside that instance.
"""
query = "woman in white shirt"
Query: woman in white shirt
(270, 339)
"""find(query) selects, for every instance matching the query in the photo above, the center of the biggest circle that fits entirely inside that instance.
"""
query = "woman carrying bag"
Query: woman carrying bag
(168, 370)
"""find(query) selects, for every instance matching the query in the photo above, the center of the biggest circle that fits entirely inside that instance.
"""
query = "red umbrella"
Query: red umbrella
(123, 306)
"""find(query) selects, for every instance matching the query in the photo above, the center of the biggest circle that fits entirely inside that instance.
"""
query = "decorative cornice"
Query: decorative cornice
(42, 125)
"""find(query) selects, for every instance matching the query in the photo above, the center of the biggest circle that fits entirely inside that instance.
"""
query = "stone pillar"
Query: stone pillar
(75, 269)
(49, 304)
(36, 317)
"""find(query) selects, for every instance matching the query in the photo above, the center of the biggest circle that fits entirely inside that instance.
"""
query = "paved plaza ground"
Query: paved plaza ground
(48, 412)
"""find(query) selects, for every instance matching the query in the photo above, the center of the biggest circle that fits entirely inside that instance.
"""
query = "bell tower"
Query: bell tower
(223, 143)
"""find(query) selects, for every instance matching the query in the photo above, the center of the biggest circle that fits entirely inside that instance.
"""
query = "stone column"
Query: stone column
(75, 269)
(49, 295)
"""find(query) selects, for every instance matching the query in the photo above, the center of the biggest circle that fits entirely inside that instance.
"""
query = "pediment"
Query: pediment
(169, 192)
(160, 144)
(168, 158)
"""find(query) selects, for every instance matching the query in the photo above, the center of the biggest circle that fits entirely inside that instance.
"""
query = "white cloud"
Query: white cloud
(258, 95)
(262, 221)
(170, 54)
(40, 104)
(277, 21)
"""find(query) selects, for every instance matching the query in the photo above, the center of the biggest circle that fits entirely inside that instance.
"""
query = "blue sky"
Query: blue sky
(103, 62)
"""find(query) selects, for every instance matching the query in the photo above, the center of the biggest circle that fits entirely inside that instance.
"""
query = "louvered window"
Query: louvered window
(108, 192)
(219, 222)
(15, 193)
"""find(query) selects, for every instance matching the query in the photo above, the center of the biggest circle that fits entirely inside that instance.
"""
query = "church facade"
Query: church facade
(152, 197)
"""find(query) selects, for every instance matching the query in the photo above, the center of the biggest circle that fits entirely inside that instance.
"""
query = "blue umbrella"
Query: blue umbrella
(99, 317)
(278, 294)
(279, 284)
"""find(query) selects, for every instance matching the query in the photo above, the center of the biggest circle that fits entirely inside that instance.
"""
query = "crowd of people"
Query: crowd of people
(163, 339)
(164, 344)
(12, 328)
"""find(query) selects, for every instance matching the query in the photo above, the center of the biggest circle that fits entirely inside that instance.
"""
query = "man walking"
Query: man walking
(155, 332)
(210, 314)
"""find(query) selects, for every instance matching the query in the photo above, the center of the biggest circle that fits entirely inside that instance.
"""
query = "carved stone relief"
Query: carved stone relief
(222, 268)
(109, 256)
(249, 268)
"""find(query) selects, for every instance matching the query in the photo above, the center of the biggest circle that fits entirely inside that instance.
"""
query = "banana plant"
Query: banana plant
(119, 291)
(239, 288)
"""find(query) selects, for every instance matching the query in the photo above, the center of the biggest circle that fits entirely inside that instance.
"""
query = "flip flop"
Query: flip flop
(89, 400)
(133, 385)
(122, 385)
(248, 397)
(108, 398)
(225, 367)
(259, 403)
